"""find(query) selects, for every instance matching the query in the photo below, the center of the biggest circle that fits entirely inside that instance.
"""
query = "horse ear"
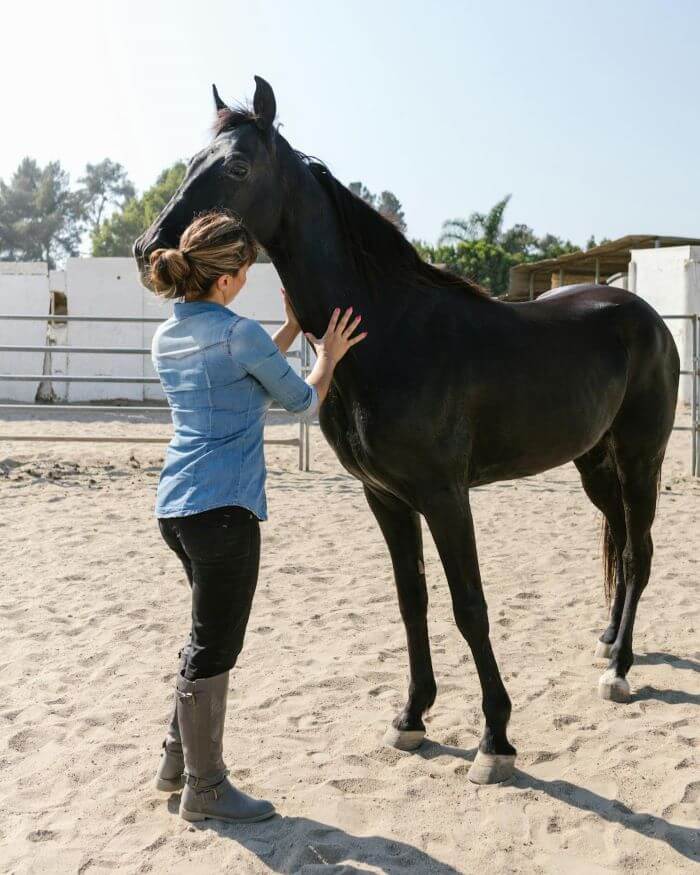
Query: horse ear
(218, 102)
(264, 104)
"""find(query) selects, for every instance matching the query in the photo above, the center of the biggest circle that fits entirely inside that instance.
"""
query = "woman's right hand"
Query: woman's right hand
(338, 337)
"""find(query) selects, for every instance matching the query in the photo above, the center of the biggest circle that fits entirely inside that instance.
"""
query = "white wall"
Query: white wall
(104, 287)
(24, 288)
(111, 287)
(669, 279)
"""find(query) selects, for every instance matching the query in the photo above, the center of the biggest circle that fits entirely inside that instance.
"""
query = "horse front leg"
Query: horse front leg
(449, 517)
(400, 525)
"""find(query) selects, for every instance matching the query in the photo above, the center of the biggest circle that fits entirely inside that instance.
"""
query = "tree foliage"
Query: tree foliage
(519, 240)
(477, 226)
(41, 218)
(105, 187)
(591, 242)
(116, 235)
(485, 263)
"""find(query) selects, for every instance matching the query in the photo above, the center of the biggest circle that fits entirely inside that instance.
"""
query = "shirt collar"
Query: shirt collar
(190, 308)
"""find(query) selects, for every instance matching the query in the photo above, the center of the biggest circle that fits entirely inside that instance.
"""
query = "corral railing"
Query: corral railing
(303, 354)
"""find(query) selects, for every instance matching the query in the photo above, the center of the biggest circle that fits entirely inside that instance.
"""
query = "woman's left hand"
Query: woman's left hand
(289, 313)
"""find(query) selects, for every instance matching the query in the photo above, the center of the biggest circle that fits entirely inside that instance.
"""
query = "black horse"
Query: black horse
(451, 389)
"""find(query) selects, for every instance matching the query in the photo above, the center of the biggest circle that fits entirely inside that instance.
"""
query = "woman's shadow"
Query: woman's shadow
(287, 844)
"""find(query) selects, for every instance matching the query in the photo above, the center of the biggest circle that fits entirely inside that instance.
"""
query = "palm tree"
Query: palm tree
(479, 226)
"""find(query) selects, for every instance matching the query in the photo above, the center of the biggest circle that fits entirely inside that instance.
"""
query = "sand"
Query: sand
(94, 609)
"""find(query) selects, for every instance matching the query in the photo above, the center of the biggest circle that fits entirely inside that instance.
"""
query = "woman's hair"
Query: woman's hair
(213, 244)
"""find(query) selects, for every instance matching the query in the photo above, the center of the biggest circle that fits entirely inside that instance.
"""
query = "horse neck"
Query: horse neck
(315, 266)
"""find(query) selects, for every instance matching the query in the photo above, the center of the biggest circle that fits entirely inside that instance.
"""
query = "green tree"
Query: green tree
(485, 263)
(105, 188)
(591, 242)
(116, 235)
(519, 240)
(478, 226)
(549, 246)
(41, 219)
(386, 203)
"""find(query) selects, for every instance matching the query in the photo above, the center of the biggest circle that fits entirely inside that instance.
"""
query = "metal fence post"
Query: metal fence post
(305, 436)
(694, 417)
(302, 430)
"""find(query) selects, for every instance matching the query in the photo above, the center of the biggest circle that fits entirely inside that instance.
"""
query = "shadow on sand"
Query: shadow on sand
(288, 844)
(291, 844)
(682, 839)
(670, 697)
(666, 659)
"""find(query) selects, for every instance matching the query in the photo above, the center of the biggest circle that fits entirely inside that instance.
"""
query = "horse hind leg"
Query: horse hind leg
(639, 478)
(601, 484)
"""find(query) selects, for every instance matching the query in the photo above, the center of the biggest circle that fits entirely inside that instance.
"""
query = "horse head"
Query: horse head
(239, 170)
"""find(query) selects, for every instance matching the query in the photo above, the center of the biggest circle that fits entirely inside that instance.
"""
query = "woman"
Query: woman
(220, 373)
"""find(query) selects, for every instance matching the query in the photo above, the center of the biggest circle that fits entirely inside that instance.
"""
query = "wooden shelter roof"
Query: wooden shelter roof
(531, 279)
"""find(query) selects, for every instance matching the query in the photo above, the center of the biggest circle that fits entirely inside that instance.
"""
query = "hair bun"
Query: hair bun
(170, 270)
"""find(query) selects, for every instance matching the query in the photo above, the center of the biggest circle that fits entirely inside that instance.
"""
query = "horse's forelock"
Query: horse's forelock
(231, 117)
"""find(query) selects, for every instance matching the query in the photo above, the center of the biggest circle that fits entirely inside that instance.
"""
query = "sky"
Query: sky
(586, 112)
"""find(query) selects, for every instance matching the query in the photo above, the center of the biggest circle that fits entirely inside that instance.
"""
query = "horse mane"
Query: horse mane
(379, 249)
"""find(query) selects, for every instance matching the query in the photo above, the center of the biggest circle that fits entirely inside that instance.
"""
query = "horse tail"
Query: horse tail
(609, 562)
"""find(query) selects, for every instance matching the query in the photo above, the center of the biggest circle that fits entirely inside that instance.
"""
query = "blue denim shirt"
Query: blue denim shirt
(220, 373)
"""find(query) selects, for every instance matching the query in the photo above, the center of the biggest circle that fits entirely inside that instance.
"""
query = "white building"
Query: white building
(669, 279)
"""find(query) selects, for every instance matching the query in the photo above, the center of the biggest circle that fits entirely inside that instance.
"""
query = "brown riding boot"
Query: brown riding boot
(201, 710)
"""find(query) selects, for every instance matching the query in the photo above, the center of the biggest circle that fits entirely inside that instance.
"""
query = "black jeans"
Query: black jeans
(220, 551)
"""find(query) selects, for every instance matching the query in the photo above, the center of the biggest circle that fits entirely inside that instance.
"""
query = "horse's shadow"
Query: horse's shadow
(656, 658)
(288, 844)
(670, 697)
(683, 839)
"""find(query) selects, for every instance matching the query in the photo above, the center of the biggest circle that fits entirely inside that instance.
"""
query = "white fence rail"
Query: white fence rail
(303, 354)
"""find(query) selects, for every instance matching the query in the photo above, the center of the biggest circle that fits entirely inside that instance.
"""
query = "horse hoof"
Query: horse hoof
(602, 650)
(491, 768)
(404, 739)
(613, 688)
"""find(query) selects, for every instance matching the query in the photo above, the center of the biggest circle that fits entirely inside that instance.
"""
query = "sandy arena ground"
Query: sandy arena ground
(94, 609)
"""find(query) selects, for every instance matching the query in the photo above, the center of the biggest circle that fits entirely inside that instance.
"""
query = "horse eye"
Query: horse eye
(238, 169)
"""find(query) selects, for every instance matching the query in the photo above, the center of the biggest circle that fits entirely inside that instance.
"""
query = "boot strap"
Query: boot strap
(194, 782)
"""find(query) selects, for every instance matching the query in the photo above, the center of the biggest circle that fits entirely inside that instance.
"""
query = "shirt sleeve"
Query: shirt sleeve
(253, 348)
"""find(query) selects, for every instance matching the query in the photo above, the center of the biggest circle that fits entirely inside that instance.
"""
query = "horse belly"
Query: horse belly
(523, 438)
